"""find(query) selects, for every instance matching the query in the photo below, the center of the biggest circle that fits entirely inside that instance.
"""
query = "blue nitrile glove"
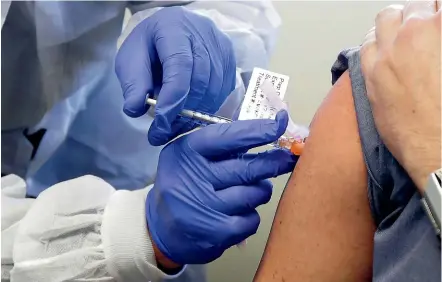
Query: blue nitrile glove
(207, 188)
(185, 59)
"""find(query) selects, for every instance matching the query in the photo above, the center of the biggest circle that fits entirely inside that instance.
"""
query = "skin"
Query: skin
(401, 63)
(163, 262)
(323, 229)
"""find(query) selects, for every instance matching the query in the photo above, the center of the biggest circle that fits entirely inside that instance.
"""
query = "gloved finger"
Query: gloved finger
(242, 199)
(238, 136)
(200, 79)
(236, 113)
(133, 68)
(240, 227)
(175, 54)
(251, 168)
(198, 87)
(223, 81)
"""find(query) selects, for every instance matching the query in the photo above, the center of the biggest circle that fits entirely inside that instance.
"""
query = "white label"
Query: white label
(256, 105)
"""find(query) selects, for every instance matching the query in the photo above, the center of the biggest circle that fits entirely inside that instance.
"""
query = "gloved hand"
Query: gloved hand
(185, 59)
(207, 188)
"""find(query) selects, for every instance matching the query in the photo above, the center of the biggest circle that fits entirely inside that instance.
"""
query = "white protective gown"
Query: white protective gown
(58, 74)
(79, 230)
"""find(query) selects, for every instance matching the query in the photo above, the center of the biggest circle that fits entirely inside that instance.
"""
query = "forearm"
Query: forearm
(323, 229)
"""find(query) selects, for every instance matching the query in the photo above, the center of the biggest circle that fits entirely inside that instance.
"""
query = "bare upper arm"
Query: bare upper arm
(323, 229)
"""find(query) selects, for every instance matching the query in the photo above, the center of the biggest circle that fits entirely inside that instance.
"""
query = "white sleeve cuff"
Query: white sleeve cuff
(83, 228)
(126, 243)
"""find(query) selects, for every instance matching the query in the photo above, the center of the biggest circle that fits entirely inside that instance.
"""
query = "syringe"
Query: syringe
(205, 118)
(295, 145)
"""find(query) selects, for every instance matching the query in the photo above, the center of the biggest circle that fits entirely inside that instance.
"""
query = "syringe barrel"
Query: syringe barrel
(206, 118)
(203, 117)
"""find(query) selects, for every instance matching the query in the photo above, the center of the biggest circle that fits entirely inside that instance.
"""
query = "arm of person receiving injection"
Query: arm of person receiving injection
(323, 230)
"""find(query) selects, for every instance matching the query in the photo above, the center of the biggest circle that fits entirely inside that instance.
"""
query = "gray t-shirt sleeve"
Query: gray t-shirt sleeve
(405, 245)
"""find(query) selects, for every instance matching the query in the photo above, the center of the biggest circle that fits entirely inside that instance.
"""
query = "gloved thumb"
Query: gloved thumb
(238, 136)
(240, 228)
(134, 71)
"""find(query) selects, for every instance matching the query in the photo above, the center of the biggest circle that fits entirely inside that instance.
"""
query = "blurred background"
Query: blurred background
(311, 36)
